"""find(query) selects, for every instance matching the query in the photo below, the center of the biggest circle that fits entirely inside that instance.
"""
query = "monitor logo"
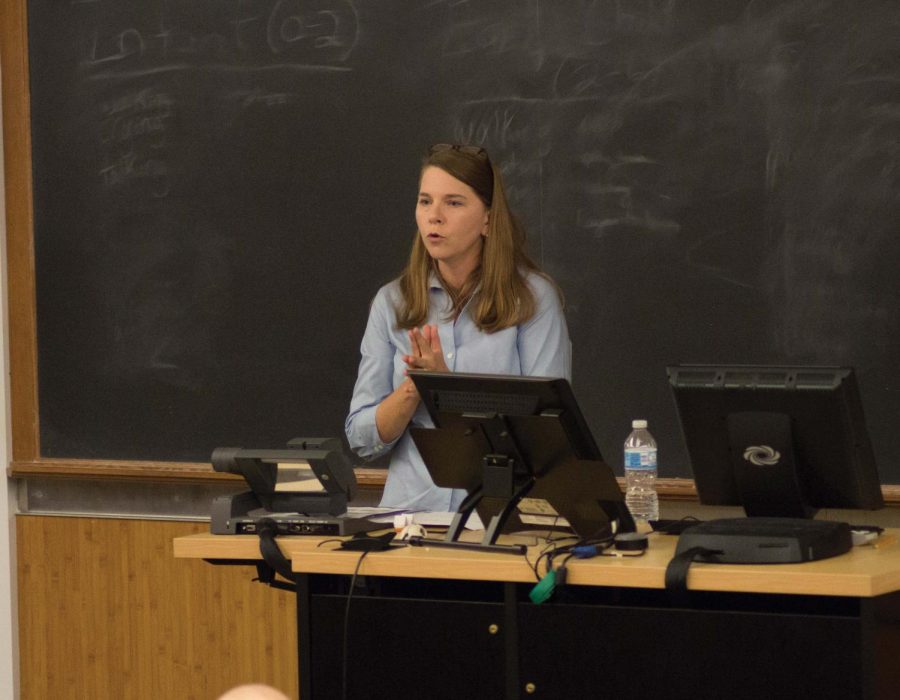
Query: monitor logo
(762, 455)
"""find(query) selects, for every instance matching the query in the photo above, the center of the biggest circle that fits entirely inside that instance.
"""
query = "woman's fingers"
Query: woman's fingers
(425, 350)
(434, 341)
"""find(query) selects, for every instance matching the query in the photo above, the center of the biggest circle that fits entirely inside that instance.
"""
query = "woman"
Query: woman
(469, 300)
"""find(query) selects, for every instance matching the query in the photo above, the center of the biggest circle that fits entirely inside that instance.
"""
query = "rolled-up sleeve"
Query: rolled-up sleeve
(374, 381)
(545, 349)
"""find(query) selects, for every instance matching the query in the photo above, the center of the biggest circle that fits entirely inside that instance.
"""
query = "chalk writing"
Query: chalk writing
(249, 98)
(132, 132)
(289, 34)
(497, 126)
(140, 115)
(128, 168)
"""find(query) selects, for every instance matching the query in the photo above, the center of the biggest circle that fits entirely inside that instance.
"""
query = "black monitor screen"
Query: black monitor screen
(779, 441)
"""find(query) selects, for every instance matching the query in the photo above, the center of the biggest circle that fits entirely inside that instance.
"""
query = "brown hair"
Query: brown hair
(504, 298)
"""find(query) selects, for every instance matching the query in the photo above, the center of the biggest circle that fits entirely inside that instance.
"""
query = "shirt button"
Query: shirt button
(449, 355)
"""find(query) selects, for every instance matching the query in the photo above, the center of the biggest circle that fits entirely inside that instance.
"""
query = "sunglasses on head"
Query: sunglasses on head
(476, 151)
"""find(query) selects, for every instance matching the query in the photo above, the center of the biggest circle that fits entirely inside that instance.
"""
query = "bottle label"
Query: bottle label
(640, 459)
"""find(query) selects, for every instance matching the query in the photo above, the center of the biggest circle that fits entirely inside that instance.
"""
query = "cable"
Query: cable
(675, 527)
(547, 552)
(583, 549)
(625, 555)
(554, 579)
(347, 625)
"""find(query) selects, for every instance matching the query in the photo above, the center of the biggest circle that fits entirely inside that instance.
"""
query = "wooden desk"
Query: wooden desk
(432, 622)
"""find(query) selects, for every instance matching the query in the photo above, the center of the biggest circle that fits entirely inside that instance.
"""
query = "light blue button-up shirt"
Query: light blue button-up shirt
(539, 347)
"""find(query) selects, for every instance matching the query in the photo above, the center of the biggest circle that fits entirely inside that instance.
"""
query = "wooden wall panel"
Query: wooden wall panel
(105, 611)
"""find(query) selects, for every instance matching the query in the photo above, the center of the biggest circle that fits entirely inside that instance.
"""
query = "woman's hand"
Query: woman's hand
(394, 413)
(425, 350)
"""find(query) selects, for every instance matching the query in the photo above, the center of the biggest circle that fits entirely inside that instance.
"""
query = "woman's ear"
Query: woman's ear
(487, 218)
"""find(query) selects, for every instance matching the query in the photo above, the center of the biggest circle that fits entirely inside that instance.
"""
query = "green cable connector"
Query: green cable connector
(544, 588)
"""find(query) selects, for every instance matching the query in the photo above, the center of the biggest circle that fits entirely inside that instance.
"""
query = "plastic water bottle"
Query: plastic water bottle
(640, 473)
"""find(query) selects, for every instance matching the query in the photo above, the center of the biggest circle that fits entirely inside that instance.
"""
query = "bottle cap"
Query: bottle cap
(638, 424)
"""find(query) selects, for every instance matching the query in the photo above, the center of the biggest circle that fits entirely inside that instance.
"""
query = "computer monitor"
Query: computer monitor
(503, 438)
(779, 441)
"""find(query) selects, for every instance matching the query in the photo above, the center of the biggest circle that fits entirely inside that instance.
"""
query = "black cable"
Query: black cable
(554, 549)
(676, 527)
(537, 563)
(530, 565)
(568, 556)
(546, 552)
(347, 625)
(552, 526)
(562, 573)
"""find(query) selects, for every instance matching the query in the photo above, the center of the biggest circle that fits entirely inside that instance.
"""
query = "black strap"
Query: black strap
(266, 574)
(677, 573)
(275, 561)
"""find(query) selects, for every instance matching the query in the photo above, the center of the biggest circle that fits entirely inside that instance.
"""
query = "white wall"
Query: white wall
(9, 666)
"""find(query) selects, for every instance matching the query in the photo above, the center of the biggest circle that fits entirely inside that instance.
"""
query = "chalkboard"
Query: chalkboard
(221, 187)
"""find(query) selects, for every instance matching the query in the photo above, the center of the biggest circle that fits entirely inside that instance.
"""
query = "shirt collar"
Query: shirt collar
(435, 283)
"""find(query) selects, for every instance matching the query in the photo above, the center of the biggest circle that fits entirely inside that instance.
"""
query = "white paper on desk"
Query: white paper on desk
(544, 520)
(376, 514)
(430, 518)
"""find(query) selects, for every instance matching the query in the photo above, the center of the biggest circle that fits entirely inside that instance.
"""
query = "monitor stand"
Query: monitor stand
(764, 466)
(498, 482)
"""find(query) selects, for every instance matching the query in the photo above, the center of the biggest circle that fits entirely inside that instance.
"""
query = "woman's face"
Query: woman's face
(452, 220)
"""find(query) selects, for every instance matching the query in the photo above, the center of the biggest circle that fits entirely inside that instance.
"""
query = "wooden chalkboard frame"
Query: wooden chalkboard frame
(24, 390)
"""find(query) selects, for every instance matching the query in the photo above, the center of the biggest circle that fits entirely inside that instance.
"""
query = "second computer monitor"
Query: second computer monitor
(780, 441)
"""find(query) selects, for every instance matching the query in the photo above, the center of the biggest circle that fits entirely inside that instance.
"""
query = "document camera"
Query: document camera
(303, 488)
